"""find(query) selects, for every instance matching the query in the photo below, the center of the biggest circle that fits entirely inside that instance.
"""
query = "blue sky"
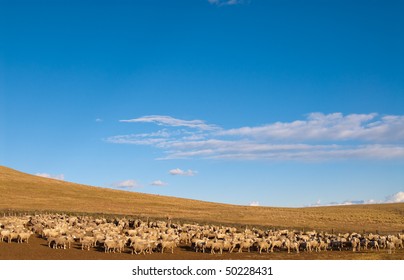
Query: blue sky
(276, 103)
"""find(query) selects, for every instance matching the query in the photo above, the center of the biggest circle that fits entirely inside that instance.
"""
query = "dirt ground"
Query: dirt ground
(37, 249)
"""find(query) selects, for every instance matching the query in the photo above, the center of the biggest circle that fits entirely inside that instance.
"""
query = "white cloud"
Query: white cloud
(127, 184)
(394, 198)
(159, 183)
(170, 121)
(98, 120)
(46, 175)
(397, 197)
(181, 172)
(318, 137)
(254, 203)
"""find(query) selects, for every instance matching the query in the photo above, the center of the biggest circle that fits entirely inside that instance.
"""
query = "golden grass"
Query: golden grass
(23, 192)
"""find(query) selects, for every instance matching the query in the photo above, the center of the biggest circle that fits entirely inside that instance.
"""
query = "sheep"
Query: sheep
(226, 245)
(184, 238)
(143, 246)
(207, 245)
(5, 234)
(69, 240)
(264, 245)
(37, 229)
(217, 246)
(62, 242)
(168, 245)
(24, 236)
(153, 244)
(305, 245)
(12, 236)
(139, 247)
(276, 243)
(391, 247)
(382, 241)
(199, 244)
(114, 245)
(364, 243)
(313, 244)
(374, 245)
(246, 244)
(356, 244)
(131, 232)
(109, 245)
(86, 245)
(50, 233)
(335, 244)
(55, 242)
(117, 245)
(322, 245)
(77, 235)
(292, 245)
(397, 241)
(120, 245)
(234, 244)
(99, 238)
(89, 240)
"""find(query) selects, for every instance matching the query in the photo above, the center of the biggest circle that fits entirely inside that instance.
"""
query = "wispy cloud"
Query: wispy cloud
(46, 175)
(334, 127)
(170, 121)
(181, 172)
(159, 183)
(126, 184)
(225, 2)
(98, 120)
(317, 137)
(394, 198)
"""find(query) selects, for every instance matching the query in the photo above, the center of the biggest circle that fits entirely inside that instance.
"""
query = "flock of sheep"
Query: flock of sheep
(140, 237)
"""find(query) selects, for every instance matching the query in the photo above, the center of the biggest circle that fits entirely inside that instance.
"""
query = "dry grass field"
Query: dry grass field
(23, 192)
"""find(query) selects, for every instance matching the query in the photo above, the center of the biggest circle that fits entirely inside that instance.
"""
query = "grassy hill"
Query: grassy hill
(25, 192)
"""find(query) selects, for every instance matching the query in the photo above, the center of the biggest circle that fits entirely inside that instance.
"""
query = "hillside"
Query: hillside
(24, 192)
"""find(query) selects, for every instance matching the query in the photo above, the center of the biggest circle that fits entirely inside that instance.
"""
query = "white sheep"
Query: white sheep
(391, 247)
(217, 246)
(86, 245)
(264, 245)
(110, 245)
(5, 234)
(12, 236)
(24, 236)
(140, 247)
(168, 245)
(246, 244)
(276, 244)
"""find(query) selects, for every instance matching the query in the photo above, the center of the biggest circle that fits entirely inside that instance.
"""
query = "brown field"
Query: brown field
(24, 192)
(37, 249)
(21, 192)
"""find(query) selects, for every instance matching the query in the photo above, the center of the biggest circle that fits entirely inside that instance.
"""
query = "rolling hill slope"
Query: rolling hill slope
(24, 192)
